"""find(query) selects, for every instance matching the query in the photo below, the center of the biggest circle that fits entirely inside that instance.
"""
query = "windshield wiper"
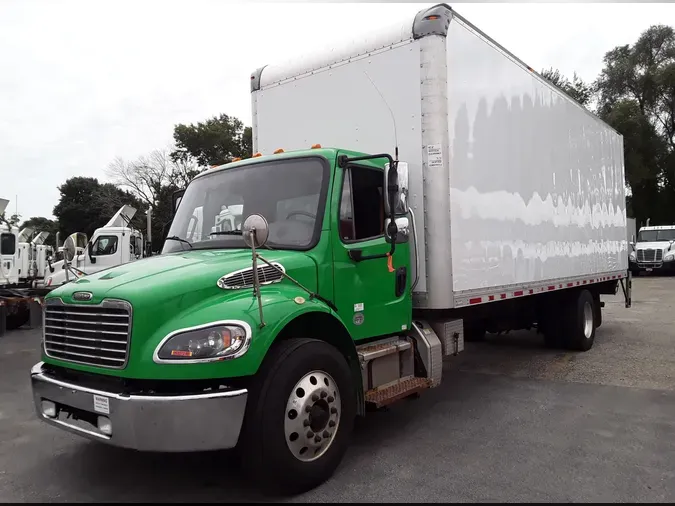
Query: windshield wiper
(226, 232)
(180, 239)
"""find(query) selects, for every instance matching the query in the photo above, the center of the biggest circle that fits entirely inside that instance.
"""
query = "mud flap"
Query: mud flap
(627, 287)
(3, 318)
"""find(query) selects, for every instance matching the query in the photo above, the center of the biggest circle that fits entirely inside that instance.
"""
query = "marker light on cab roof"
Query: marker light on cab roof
(277, 151)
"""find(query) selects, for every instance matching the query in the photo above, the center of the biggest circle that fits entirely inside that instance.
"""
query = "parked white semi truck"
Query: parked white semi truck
(115, 243)
(23, 262)
(654, 250)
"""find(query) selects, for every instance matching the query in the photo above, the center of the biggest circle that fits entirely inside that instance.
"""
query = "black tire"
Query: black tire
(474, 334)
(580, 321)
(16, 320)
(550, 324)
(264, 451)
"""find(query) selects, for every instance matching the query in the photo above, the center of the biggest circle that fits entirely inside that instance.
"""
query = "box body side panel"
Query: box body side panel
(536, 183)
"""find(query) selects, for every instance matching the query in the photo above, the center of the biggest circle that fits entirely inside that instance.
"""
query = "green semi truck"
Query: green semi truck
(343, 279)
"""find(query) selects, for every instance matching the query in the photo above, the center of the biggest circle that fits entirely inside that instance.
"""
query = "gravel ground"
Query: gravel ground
(512, 422)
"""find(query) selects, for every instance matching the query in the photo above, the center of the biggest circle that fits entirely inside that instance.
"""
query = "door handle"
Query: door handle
(401, 278)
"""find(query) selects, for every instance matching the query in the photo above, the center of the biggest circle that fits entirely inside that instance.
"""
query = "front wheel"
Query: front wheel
(300, 416)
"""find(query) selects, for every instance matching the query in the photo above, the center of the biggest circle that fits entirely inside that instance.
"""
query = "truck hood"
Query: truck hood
(175, 275)
(663, 245)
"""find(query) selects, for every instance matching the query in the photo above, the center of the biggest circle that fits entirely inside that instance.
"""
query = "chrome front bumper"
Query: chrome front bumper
(179, 423)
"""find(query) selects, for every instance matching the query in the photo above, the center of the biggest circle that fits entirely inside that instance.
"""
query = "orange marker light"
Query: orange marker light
(236, 159)
(256, 155)
(277, 151)
(316, 146)
(431, 18)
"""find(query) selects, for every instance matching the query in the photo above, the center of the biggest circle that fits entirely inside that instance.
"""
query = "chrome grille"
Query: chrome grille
(244, 277)
(88, 334)
(650, 255)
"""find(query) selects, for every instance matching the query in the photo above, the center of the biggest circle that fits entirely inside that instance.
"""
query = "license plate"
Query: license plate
(101, 404)
(649, 269)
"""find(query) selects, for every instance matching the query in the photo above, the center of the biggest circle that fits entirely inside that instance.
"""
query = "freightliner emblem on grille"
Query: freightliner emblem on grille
(82, 296)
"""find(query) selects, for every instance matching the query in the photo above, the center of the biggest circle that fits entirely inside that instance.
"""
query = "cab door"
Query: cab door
(104, 252)
(372, 300)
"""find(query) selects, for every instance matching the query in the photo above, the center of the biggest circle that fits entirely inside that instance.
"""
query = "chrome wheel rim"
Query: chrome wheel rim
(312, 416)
(588, 320)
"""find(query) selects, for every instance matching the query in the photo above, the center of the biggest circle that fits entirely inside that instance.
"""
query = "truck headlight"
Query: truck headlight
(214, 341)
(632, 256)
(668, 257)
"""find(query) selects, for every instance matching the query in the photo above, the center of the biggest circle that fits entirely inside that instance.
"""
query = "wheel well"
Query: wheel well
(325, 327)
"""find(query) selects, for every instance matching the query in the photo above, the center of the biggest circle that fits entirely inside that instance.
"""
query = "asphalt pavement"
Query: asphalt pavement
(512, 421)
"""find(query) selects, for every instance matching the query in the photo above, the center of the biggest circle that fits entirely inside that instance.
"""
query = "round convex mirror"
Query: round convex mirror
(256, 229)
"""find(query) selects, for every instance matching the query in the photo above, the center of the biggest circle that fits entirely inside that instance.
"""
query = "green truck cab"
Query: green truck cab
(270, 336)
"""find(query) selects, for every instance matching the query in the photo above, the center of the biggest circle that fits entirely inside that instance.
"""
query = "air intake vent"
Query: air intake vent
(244, 277)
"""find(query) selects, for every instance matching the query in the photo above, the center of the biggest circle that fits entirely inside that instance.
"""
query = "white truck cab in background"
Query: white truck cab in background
(32, 257)
(23, 257)
(116, 243)
(654, 250)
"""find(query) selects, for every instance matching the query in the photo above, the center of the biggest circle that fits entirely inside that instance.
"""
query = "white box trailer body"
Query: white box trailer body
(516, 189)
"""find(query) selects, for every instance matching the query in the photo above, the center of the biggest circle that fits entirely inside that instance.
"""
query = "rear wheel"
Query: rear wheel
(300, 416)
(580, 322)
(474, 333)
(550, 324)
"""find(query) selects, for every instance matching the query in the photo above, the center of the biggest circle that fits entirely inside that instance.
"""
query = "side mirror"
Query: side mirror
(255, 231)
(176, 199)
(89, 250)
(398, 197)
(402, 231)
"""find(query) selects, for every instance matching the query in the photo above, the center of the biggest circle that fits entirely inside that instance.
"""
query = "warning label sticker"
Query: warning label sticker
(434, 155)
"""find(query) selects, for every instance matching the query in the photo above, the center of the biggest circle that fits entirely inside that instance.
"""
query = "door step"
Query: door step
(373, 351)
(379, 397)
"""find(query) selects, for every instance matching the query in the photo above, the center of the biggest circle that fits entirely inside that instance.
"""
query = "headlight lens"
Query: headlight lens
(669, 256)
(215, 342)
(633, 255)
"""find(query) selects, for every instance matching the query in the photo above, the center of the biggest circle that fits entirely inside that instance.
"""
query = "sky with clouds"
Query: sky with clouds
(82, 82)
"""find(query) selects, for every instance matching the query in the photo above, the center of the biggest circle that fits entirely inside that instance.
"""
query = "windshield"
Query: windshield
(656, 235)
(290, 194)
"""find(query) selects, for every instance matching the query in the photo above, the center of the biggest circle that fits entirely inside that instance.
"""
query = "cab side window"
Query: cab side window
(105, 245)
(361, 204)
(7, 244)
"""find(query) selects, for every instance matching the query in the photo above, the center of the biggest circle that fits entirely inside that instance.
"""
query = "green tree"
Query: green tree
(636, 95)
(576, 88)
(12, 220)
(86, 205)
(213, 142)
(152, 179)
